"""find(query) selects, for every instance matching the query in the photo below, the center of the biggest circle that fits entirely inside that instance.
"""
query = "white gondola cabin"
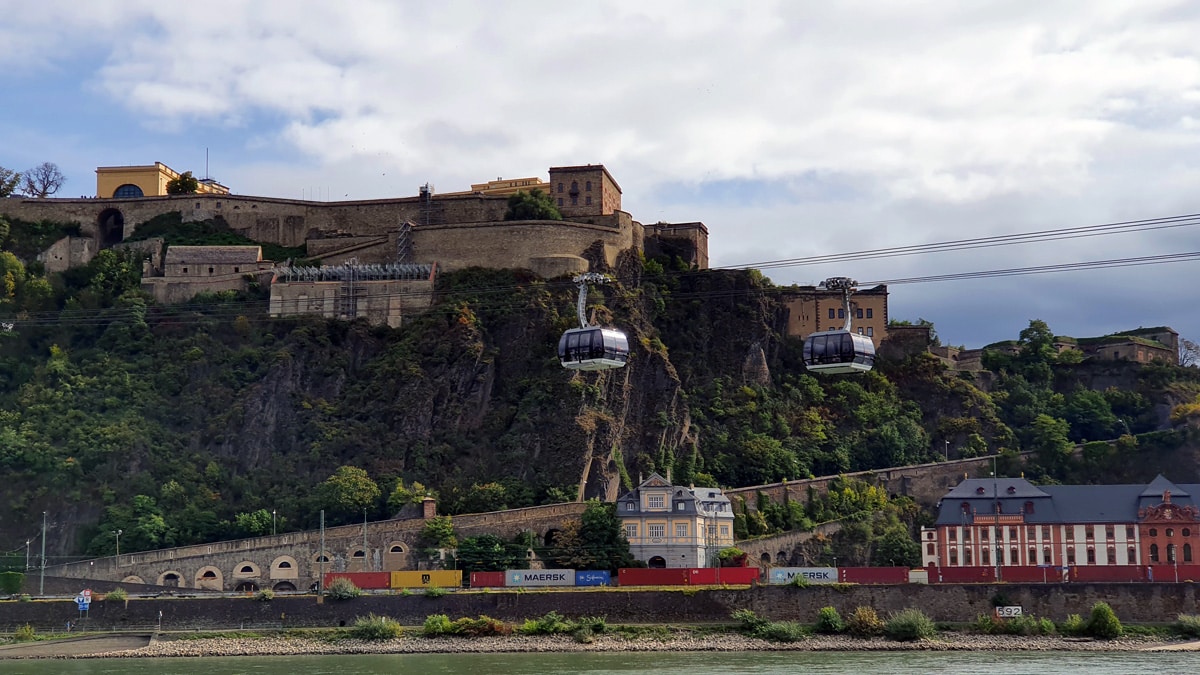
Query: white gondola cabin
(593, 348)
(838, 352)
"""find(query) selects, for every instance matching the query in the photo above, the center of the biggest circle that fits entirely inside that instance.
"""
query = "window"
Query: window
(630, 530)
(210, 270)
(870, 331)
(1187, 553)
(967, 557)
(1045, 555)
(396, 549)
(1091, 556)
(1154, 532)
(574, 200)
(284, 565)
(966, 534)
(1112, 555)
(724, 530)
(712, 531)
(1153, 553)
(1129, 532)
(588, 186)
(1131, 556)
(860, 330)
(1170, 553)
(246, 569)
(560, 202)
(929, 549)
(858, 313)
(655, 531)
(574, 186)
(1170, 532)
(953, 535)
(359, 554)
(985, 556)
(678, 506)
(1014, 557)
(1070, 555)
(1029, 509)
(127, 191)
(560, 186)
(870, 313)
(929, 535)
(1089, 531)
(1046, 532)
(1187, 532)
(953, 557)
(985, 534)
(680, 529)
(588, 200)
(1070, 533)
(185, 270)
(842, 313)
(1109, 532)
(655, 501)
(1032, 555)
(236, 270)
(1031, 532)
(629, 506)
(832, 313)
(1012, 533)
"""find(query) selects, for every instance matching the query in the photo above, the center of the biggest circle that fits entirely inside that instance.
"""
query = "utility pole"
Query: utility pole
(366, 551)
(272, 522)
(42, 583)
(996, 516)
(321, 559)
(28, 543)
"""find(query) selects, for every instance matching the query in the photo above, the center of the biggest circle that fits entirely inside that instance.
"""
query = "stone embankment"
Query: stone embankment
(287, 646)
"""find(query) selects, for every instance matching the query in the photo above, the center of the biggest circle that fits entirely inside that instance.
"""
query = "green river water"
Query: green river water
(688, 663)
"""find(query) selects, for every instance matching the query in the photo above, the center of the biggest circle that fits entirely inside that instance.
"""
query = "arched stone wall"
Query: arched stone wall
(246, 570)
(172, 579)
(285, 567)
(210, 578)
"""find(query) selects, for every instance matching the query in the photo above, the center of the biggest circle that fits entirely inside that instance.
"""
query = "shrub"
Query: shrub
(10, 582)
(265, 595)
(908, 625)
(782, 631)
(435, 592)
(548, 624)
(799, 581)
(117, 594)
(484, 625)
(829, 621)
(1074, 625)
(25, 633)
(342, 589)
(437, 624)
(372, 627)
(1188, 625)
(985, 624)
(1104, 622)
(864, 622)
(596, 624)
(751, 622)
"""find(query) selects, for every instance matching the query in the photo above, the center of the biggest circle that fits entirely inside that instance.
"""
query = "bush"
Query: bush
(25, 633)
(484, 625)
(751, 622)
(782, 631)
(1104, 622)
(1188, 625)
(864, 622)
(829, 621)
(549, 624)
(117, 594)
(908, 625)
(1074, 626)
(265, 595)
(342, 589)
(435, 592)
(437, 624)
(372, 627)
(985, 624)
(10, 582)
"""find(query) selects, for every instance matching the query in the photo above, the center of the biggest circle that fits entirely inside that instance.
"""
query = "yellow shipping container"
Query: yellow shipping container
(428, 579)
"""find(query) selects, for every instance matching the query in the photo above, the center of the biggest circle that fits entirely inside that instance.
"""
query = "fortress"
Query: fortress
(454, 230)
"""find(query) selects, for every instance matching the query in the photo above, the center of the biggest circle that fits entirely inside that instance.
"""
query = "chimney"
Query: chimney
(428, 508)
(669, 476)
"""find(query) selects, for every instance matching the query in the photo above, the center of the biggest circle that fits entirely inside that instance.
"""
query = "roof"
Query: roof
(223, 255)
(587, 167)
(1053, 504)
(683, 500)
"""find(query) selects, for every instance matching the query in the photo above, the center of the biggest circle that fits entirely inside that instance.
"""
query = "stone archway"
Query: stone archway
(110, 226)
(132, 579)
(246, 587)
(656, 562)
(210, 578)
(284, 586)
(171, 579)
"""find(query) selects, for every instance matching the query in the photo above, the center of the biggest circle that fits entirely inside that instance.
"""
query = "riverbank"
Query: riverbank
(730, 642)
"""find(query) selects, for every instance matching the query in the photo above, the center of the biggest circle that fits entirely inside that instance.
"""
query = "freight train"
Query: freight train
(744, 576)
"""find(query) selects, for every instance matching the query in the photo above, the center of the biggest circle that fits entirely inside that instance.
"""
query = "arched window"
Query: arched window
(128, 191)
(1032, 556)
(246, 569)
(967, 557)
(284, 565)
(953, 556)
(1187, 553)
(1170, 553)
(1046, 555)
(396, 549)
(208, 574)
(1014, 556)
(359, 554)
(1132, 553)
(1154, 532)
(1091, 556)
(1153, 553)
(587, 187)
(929, 549)
(1170, 532)
(1112, 555)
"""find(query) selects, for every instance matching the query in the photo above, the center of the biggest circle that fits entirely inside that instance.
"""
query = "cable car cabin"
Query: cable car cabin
(837, 352)
(593, 348)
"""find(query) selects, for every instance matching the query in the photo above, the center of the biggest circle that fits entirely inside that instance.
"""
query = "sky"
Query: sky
(791, 128)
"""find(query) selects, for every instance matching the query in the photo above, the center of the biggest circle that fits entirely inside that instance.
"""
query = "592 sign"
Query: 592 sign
(1009, 612)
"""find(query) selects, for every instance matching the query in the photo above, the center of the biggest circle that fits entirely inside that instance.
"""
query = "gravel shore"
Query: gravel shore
(415, 644)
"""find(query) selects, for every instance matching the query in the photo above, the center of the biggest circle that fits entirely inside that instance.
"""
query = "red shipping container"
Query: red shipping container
(1110, 573)
(737, 575)
(487, 579)
(873, 575)
(1169, 573)
(961, 575)
(1030, 574)
(367, 581)
(635, 576)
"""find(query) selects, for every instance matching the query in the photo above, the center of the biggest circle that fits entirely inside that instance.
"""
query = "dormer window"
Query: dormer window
(979, 490)
(655, 501)
(629, 506)
(1028, 507)
(1012, 490)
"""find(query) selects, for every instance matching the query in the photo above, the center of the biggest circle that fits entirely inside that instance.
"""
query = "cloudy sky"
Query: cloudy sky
(790, 128)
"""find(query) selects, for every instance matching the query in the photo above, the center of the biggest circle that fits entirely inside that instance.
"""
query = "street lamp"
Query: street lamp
(272, 522)
(118, 534)
(947, 453)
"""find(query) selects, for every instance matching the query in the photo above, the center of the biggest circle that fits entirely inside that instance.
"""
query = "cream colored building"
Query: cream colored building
(676, 526)
(128, 182)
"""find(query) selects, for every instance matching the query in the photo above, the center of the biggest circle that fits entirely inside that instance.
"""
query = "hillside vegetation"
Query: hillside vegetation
(193, 423)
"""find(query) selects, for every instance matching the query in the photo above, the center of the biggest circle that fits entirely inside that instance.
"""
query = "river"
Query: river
(688, 663)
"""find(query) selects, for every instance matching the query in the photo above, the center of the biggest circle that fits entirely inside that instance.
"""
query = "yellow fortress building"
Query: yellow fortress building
(125, 182)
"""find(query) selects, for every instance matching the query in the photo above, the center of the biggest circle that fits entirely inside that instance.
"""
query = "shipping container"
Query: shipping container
(812, 575)
(1172, 573)
(1031, 574)
(636, 576)
(526, 578)
(487, 579)
(961, 575)
(368, 581)
(593, 578)
(1109, 573)
(736, 576)
(427, 579)
(873, 575)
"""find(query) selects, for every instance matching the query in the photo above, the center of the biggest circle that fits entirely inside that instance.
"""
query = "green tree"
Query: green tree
(402, 496)
(347, 493)
(596, 541)
(532, 205)
(9, 180)
(184, 184)
(437, 534)
(254, 524)
(489, 553)
(1050, 440)
(896, 547)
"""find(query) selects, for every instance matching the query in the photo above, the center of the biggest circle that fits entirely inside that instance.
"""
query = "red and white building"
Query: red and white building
(985, 522)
